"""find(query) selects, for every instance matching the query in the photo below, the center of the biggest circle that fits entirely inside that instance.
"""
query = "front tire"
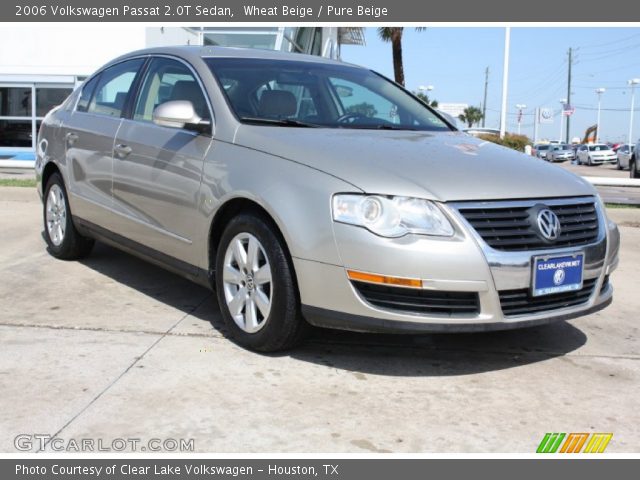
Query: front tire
(633, 172)
(256, 287)
(63, 240)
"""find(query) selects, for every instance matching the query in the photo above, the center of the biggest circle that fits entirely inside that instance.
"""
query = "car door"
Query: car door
(89, 133)
(623, 157)
(582, 154)
(157, 170)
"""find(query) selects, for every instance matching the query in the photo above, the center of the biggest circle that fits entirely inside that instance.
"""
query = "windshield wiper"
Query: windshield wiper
(382, 126)
(284, 122)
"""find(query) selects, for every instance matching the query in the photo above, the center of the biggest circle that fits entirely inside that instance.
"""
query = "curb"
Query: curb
(613, 182)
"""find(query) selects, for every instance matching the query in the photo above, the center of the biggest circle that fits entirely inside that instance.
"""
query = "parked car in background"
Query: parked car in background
(260, 175)
(624, 154)
(540, 150)
(596, 154)
(634, 168)
(560, 153)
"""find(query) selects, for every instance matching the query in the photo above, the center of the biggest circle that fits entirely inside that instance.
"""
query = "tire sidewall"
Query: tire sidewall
(57, 250)
(284, 295)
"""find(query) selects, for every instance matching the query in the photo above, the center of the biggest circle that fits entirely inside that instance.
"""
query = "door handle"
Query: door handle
(122, 150)
(71, 138)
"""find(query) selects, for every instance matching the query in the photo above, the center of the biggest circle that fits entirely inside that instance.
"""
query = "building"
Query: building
(41, 64)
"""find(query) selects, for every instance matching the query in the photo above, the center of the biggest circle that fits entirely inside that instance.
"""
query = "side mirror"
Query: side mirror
(179, 114)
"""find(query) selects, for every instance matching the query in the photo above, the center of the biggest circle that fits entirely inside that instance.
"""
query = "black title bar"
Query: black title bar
(323, 11)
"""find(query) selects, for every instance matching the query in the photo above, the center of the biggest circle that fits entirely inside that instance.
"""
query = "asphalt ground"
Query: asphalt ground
(114, 348)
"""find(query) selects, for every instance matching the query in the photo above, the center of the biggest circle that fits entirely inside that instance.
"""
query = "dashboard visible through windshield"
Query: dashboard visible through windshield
(309, 94)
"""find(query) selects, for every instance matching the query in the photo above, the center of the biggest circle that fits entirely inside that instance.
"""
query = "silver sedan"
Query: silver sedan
(308, 191)
(560, 153)
(625, 154)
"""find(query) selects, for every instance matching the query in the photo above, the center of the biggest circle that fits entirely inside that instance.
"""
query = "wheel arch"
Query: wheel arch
(49, 169)
(227, 211)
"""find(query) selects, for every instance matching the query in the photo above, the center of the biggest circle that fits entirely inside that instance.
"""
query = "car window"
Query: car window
(288, 92)
(167, 80)
(360, 101)
(598, 148)
(87, 91)
(113, 88)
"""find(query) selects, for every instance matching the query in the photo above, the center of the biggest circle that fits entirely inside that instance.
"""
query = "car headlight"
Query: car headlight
(391, 216)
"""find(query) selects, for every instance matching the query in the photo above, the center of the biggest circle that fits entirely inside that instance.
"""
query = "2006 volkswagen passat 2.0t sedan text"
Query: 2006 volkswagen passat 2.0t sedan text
(308, 191)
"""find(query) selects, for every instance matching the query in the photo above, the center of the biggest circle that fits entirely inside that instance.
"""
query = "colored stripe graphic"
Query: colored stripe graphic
(598, 443)
(574, 443)
(550, 442)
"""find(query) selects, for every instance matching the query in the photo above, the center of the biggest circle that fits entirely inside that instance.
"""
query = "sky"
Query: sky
(454, 59)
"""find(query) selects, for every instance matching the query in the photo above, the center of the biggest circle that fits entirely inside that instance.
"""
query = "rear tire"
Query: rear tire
(63, 240)
(256, 287)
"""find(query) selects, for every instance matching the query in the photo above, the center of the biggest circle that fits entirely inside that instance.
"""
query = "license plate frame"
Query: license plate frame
(564, 262)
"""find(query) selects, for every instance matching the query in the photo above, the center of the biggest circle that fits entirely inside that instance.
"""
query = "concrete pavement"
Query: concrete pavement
(112, 347)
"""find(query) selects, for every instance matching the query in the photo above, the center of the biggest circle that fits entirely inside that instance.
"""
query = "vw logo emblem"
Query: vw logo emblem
(558, 277)
(548, 224)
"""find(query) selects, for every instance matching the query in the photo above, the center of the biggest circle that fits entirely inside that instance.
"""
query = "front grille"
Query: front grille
(414, 300)
(514, 228)
(519, 302)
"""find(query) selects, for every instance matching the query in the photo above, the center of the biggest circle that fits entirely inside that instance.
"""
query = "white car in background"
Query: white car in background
(624, 153)
(596, 154)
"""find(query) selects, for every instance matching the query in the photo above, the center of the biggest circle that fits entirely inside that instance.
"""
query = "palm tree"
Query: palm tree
(425, 98)
(394, 36)
(471, 115)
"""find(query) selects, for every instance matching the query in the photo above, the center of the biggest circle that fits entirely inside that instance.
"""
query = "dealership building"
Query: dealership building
(41, 64)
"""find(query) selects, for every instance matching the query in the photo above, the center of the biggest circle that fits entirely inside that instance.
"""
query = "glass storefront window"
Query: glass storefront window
(17, 117)
(15, 101)
(15, 133)
(48, 98)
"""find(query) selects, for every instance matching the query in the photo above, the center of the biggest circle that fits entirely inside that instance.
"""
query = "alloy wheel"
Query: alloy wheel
(247, 282)
(56, 215)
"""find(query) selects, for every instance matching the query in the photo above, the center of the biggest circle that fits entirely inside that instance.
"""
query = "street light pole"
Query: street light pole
(505, 82)
(563, 102)
(632, 83)
(599, 91)
(520, 107)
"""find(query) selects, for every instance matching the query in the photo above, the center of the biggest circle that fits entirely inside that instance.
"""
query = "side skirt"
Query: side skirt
(184, 269)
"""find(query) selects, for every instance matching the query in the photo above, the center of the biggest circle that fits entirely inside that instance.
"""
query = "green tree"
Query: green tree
(364, 108)
(471, 115)
(393, 35)
(425, 98)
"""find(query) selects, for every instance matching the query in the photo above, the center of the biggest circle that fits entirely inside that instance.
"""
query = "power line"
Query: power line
(613, 42)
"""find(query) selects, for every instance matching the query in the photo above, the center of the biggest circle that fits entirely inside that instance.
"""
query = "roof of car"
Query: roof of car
(191, 52)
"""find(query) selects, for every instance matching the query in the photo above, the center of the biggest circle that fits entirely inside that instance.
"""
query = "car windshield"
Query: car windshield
(309, 94)
(598, 148)
(543, 147)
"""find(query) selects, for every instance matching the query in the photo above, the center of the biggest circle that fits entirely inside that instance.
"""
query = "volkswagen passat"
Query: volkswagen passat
(306, 190)
(596, 154)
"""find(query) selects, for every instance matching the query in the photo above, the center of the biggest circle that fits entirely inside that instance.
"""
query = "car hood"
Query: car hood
(445, 166)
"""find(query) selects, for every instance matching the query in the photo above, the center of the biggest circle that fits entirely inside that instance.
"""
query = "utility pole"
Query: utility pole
(484, 103)
(505, 82)
(569, 94)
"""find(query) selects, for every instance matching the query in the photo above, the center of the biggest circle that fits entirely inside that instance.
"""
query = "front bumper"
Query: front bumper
(600, 160)
(461, 264)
